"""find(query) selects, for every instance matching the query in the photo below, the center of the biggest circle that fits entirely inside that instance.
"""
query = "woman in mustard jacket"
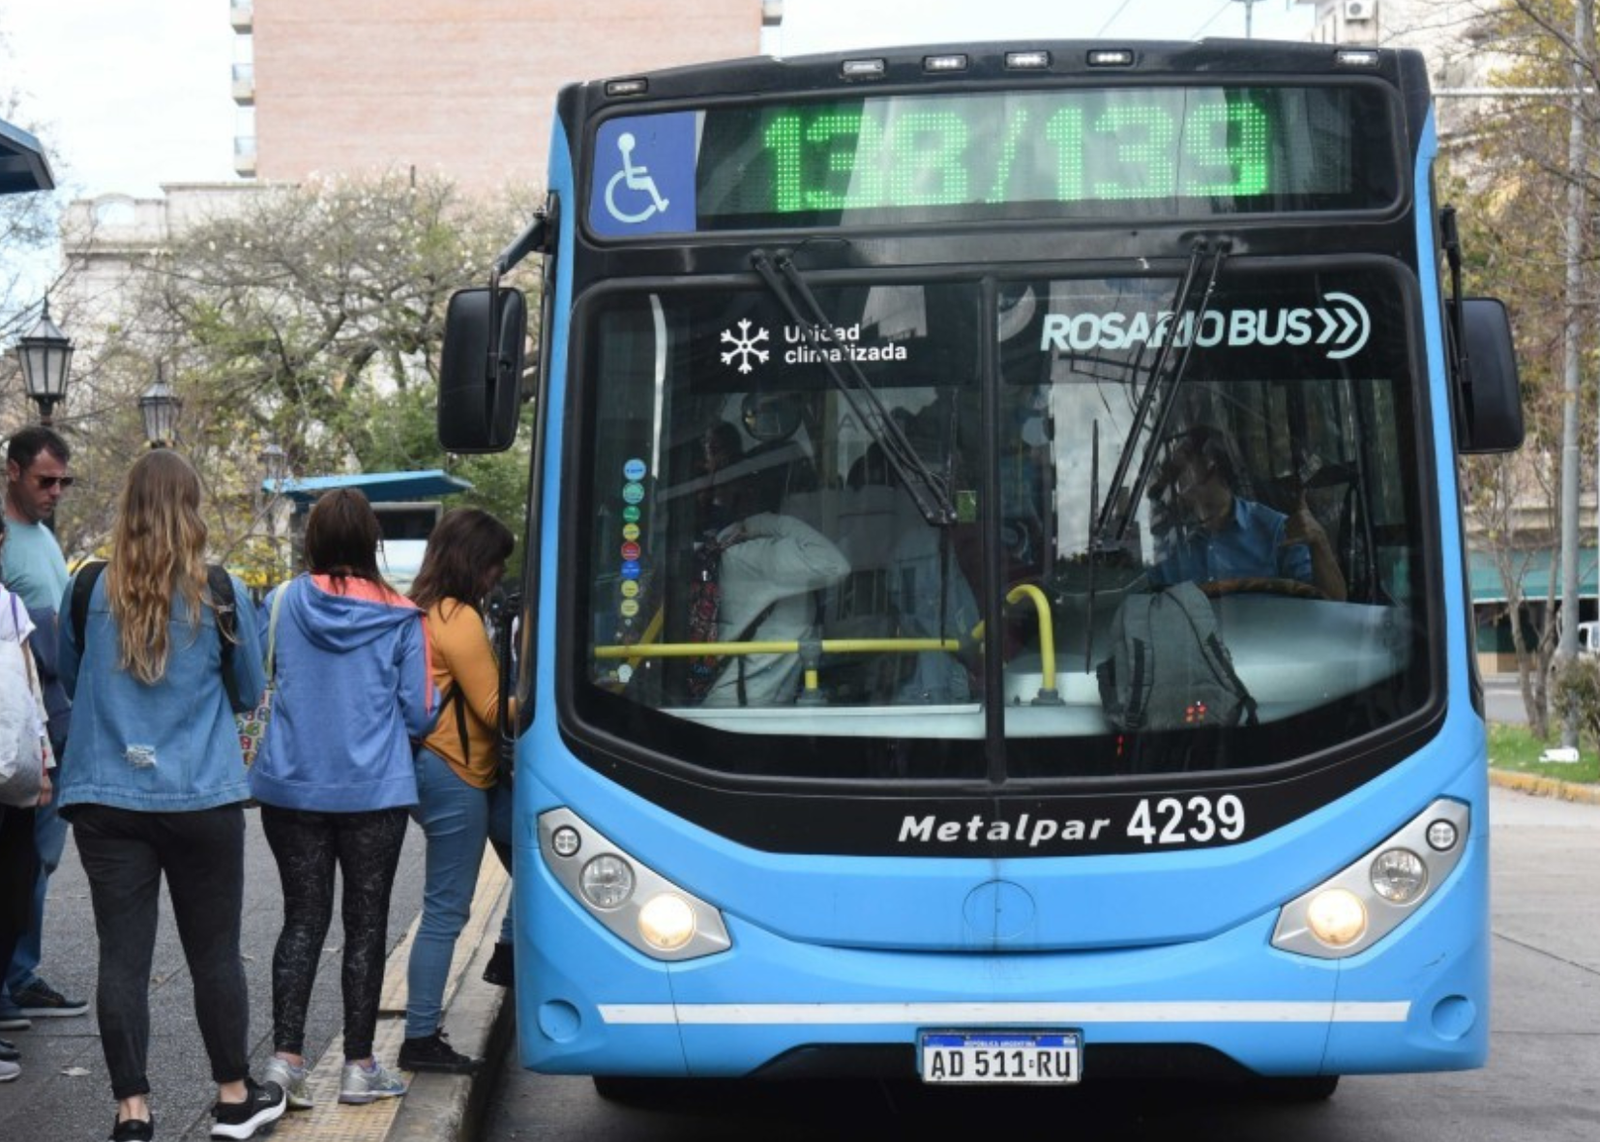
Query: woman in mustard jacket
(457, 794)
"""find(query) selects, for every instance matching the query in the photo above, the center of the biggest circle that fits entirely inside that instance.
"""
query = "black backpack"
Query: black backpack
(220, 584)
(1169, 669)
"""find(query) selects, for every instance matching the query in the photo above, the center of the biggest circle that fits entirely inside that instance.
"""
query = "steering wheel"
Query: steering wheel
(1262, 585)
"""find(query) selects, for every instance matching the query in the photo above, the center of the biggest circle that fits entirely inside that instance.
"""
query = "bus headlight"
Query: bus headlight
(666, 921)
(606, 881)
(1336, 917)
(631, 900)
(1399, 876)
(1372, 895)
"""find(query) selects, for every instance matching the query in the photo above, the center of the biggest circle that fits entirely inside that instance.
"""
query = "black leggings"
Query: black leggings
(125, 854)
(365, 847)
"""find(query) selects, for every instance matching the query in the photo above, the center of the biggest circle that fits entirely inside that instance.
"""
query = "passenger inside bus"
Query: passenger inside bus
(770, 566)
(905, 582)
(1206, 532)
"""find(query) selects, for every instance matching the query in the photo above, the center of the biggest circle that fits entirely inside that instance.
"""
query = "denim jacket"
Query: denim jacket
(168, 747)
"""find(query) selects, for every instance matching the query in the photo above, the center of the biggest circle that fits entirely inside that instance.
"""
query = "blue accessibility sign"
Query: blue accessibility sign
(644, 176)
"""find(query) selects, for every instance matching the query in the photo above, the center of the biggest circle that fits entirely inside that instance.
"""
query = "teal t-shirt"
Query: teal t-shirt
(33, 567)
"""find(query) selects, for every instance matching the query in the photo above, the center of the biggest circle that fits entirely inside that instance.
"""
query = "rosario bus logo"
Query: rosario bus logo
(1341, 323)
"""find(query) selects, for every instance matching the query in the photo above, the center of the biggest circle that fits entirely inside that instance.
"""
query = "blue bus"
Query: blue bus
(897, 691)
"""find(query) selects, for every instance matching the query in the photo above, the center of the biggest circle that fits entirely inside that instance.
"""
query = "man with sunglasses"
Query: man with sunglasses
(34, 569)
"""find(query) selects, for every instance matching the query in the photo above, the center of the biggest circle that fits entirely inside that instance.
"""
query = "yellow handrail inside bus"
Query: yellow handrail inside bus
(1048, 695)
(811, 649)
(1047, 640)
(775, 646)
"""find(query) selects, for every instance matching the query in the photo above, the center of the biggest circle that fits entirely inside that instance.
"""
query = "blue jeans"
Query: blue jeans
(49, 840)
(455, 817)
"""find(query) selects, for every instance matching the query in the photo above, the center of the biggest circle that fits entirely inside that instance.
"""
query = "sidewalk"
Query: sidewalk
(478, 1018)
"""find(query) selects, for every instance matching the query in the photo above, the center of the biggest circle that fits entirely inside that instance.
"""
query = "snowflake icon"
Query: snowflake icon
(744, 346)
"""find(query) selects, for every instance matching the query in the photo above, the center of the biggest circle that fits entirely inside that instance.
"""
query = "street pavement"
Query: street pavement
(64, 1094)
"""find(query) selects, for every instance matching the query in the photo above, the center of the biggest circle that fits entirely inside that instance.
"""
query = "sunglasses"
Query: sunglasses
(48, 482)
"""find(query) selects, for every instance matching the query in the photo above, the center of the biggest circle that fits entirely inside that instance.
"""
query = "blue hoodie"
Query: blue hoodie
(351, 689)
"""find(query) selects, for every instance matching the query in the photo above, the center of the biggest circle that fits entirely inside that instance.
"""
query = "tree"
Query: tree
(309, 316)
(1521, 168)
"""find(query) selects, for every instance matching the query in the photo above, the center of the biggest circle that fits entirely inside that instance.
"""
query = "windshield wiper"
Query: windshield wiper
(926, 488)
(1117, 512)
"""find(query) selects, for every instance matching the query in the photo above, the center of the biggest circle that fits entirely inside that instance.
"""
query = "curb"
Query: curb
(1538, 786)
(452, 1108)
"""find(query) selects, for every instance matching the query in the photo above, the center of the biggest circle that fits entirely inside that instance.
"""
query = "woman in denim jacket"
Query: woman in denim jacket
(154, 783)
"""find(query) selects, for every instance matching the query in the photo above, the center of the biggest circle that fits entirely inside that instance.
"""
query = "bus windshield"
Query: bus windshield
(758, 572)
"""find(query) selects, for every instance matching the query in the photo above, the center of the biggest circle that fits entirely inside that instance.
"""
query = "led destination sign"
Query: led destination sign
(1144, 152)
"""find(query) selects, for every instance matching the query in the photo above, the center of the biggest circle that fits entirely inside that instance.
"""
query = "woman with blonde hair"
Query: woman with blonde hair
(153, 783)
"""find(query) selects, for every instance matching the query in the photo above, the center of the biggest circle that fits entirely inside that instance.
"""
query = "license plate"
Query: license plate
(1000, 1056)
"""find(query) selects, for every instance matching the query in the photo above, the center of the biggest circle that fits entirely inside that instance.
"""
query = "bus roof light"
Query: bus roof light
(864, 68)
(617, 87)
(956, 62)
(1356, 57)
(1027, 61)
(1111, 57)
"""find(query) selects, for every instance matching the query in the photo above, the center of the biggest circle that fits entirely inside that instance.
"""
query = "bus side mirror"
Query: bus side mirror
(480, 369)
(1490, 392)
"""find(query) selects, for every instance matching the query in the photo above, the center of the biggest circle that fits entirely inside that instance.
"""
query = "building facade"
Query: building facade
(465, 90)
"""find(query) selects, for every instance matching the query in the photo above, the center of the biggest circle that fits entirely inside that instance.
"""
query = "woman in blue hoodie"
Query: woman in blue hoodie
(335, 779)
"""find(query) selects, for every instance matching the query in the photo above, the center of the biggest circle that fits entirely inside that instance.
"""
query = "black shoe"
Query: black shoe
(41, 1001)
(9, 1052)
(262, 1106)
(502, 968)
(134, 1130)
(433, 1054)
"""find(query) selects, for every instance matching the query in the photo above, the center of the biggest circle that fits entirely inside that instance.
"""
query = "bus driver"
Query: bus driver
(1222, 535)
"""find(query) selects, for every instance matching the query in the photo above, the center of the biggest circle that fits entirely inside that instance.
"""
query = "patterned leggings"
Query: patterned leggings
(365, 847)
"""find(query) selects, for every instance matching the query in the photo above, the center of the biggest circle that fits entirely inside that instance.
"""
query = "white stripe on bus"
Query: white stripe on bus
(955, 1014)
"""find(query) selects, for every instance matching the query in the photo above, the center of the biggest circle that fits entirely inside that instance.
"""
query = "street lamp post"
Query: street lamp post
(274, 467)
(1249, 7)
(159, 406)
(46, 356)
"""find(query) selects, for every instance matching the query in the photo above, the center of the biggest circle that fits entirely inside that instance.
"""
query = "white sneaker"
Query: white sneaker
(359, 1085)
(292, 1079)
(8, 1071)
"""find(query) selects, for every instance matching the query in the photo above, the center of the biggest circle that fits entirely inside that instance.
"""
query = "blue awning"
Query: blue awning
(379, 487)
(1539, 571)
(22, 162)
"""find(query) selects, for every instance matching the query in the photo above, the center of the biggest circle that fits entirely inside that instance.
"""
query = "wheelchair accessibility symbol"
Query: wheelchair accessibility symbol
(641, 190)
(644, 175)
